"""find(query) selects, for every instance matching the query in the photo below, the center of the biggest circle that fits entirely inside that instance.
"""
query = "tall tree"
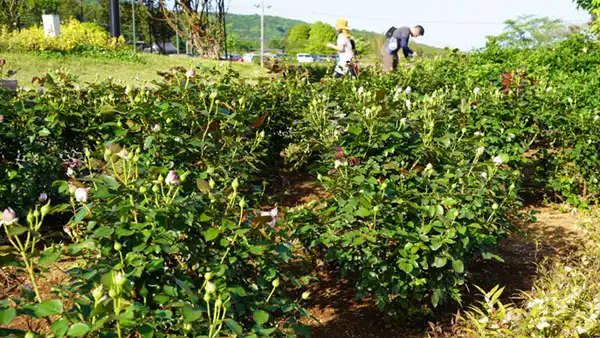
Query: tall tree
(320, 34)
(592, 6)
(201, 20)
(10, 15)
(298, 36)
(528, 31)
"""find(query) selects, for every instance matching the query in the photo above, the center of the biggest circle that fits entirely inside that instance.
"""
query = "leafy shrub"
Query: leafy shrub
(75, 38)
(422, 171)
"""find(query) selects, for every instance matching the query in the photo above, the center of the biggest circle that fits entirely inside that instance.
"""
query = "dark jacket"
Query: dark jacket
(403, 36)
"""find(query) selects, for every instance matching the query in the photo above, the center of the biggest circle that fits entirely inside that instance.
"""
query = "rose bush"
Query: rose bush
(160, 192)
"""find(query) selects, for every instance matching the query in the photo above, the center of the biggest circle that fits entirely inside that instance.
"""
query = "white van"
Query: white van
(305, 58)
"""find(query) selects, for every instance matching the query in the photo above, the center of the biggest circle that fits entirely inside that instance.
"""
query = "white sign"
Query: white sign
(51, 25)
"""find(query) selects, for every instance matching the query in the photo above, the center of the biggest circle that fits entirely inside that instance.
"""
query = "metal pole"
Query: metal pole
(133, 19)
(262, 34)
(81, 10)
(115, 18)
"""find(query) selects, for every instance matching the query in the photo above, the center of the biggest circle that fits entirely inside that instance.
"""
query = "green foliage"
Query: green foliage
(529, 32)
(321, 34)
(298, 35)
(162, 197)
(75, 38)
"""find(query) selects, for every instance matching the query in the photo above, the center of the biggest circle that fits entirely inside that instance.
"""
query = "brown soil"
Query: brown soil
(12, 282)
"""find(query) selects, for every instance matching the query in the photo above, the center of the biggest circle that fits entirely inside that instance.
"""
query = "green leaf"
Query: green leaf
(435, 297)
(440, 262)
(257, 250)
(78, 330)
(458, 266)
(238, 290)
(16, 231)
(80, 215)
(234, 326)
(49, 256)
(107, 109)
(60, 327)
(211, 234)
(44, 132)
(406, 267)
(354, 130)
(203, 186)
(103, 232)
(260, 317)
(363, 212)
(190, 315)
(48, 308)
(146, 331)
(148, 142)
(7, 315)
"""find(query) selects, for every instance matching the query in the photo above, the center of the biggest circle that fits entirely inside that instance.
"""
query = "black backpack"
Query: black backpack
(390, 32)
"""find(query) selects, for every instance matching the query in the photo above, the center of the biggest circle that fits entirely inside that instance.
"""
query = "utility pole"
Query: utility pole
(262, 32)
(133, 22)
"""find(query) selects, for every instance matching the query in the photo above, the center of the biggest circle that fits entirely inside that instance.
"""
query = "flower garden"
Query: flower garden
(160, 198)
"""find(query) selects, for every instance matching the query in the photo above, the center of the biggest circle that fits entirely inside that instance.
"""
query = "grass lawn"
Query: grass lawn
(91, 69)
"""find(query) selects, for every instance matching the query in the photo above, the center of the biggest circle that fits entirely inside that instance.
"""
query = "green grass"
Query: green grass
(89, 69)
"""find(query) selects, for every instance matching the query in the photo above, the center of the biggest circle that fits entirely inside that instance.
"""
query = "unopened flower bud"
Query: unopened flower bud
(218, 302)
(242, 203)
(211, 183)
(36, 214)
(97, 293)
(206, 297)
(45, 209)
(118, 246)
(211, 288)
(306, 295)
(276, 283)
(143, 190)
(208, 276)
(156, 189)
(172, 178)
(160, 178)
(120, 278)
(235, 184)
(112, 293)
(30, 217)
(81, 195)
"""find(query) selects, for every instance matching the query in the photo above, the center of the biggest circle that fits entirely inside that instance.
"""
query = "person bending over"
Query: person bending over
(397, 39)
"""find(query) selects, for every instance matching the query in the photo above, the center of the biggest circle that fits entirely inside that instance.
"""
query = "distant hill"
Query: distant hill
(247, 28)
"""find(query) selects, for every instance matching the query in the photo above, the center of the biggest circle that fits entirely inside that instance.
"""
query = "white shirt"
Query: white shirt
(347, 54)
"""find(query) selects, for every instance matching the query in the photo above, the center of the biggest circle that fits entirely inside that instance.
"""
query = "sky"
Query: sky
(462, 24)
